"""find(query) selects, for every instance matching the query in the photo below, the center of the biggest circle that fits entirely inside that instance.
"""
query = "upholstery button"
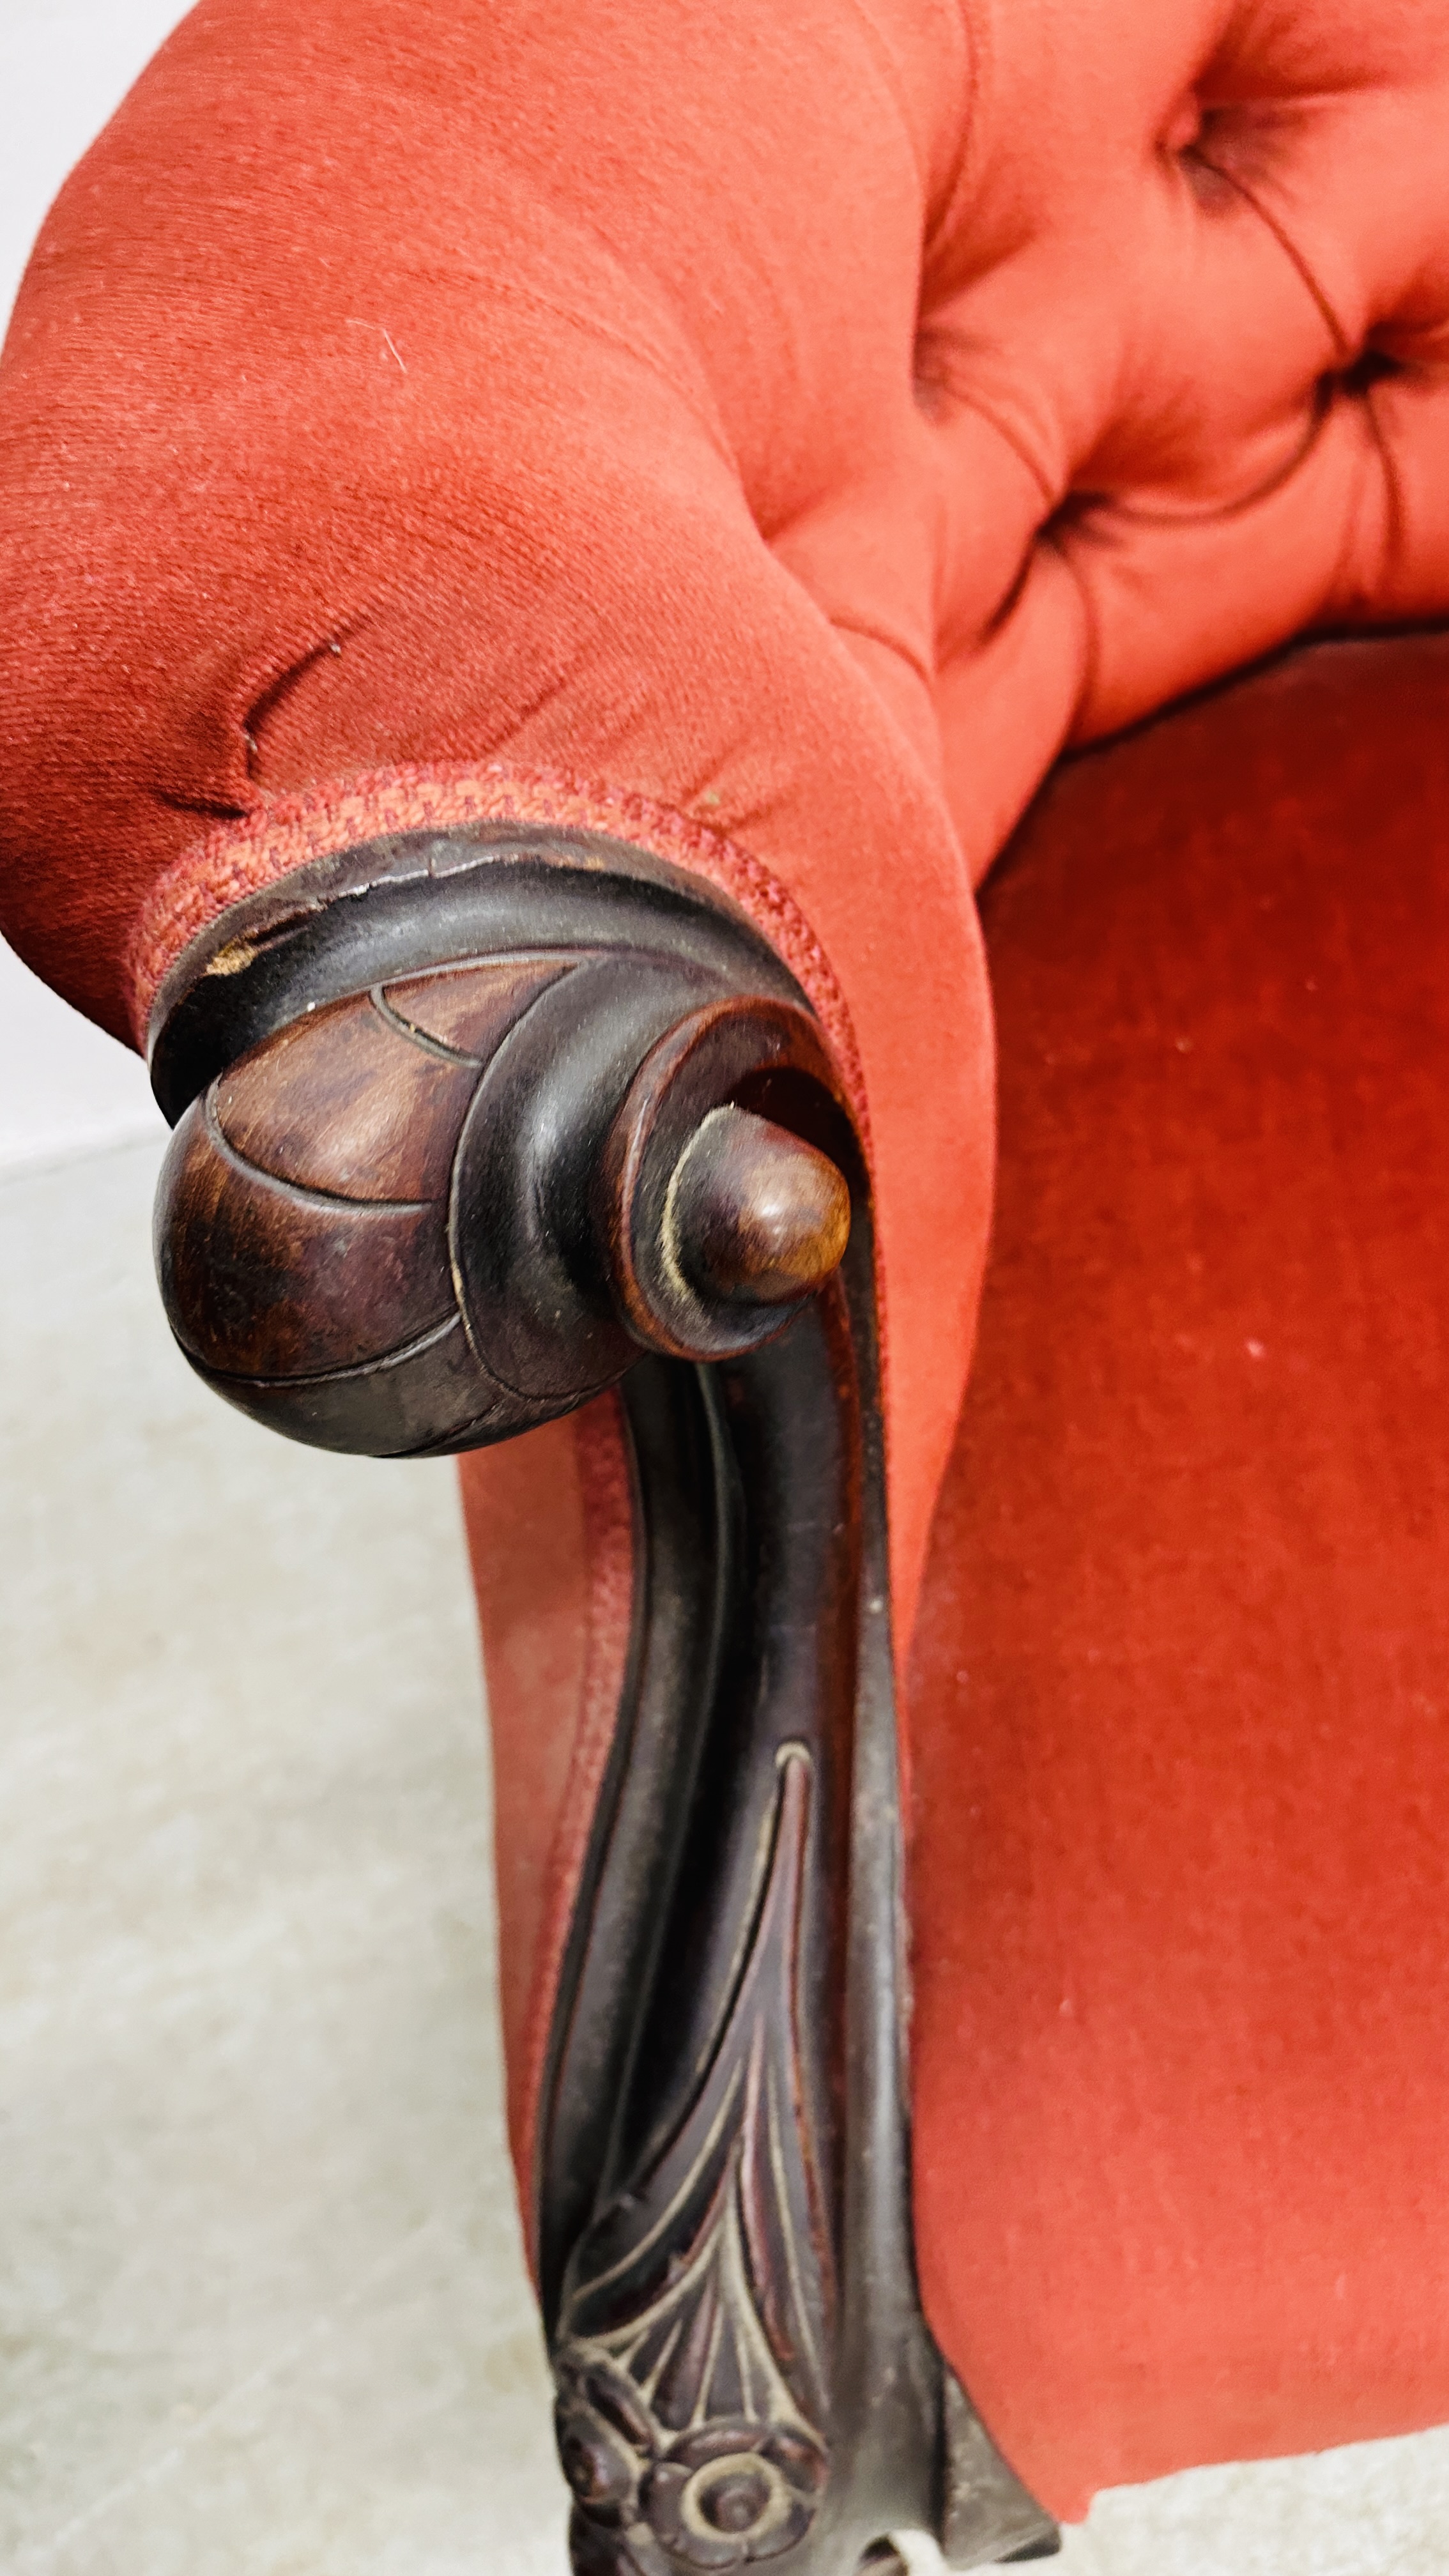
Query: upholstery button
(1183, 126)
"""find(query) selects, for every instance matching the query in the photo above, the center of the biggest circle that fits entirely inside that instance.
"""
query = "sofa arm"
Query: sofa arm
(470, 1126)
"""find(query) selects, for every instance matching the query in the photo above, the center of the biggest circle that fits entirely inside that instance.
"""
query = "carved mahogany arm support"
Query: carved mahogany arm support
(469, 1127)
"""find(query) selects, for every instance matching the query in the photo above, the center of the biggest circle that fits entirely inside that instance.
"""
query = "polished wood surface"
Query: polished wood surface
(758, 1216)
(460, 1143)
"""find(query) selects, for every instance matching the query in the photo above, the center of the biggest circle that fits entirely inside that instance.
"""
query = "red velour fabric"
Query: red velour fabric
(1180, 1716)
(550, 1531)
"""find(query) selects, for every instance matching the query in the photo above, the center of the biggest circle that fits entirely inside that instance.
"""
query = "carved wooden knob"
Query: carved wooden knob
(759, 1217)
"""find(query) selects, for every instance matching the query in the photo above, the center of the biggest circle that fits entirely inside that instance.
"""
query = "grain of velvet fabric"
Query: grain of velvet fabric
(1181, 1698)
(769, 436)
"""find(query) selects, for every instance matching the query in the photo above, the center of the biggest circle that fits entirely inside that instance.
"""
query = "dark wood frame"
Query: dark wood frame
(558, 1119)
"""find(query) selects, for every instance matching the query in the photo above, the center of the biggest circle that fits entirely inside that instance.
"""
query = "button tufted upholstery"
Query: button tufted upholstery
(443, 383)
(813, 430)
(776, 436)
(1185, 335)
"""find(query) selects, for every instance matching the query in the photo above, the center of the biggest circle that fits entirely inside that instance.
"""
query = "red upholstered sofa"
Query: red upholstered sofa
(542, 552)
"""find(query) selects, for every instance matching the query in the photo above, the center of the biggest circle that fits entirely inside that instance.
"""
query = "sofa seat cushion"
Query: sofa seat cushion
(1181, 1701)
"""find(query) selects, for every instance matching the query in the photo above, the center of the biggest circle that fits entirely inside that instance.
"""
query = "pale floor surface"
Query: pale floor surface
(262, 2305)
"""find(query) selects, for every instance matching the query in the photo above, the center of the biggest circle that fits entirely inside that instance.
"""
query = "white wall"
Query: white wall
(64, 65)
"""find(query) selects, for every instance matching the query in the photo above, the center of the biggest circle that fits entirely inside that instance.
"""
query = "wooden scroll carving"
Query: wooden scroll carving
(469, 1126)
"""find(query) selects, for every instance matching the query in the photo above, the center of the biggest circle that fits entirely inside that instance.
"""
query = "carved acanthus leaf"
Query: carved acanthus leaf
(689, 2358)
